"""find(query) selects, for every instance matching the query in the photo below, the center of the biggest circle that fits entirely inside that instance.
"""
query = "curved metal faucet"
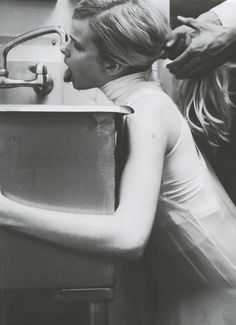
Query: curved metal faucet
(42, 83)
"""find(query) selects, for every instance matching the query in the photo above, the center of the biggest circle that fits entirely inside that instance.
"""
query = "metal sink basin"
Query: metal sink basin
(63, 158)
(59, 157)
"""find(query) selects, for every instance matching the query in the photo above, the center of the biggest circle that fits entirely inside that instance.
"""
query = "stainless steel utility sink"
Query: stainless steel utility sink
(60, 158)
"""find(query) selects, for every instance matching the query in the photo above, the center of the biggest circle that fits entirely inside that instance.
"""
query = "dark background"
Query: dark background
(189, 8)
(223, 158)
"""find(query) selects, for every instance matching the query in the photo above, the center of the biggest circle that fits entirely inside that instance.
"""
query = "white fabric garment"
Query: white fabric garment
(226, 12)
(192, 249)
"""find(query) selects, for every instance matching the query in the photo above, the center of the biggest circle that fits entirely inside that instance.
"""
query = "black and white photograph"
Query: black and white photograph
(117, 162)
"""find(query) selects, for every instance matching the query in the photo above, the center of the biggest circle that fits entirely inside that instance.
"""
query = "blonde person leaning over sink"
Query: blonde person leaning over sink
(172, 209)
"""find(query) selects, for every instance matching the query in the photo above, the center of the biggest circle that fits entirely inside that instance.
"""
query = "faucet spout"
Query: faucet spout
(26, 37)
(42, 84)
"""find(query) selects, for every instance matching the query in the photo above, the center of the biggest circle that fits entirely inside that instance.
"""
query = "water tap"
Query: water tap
(42, 83)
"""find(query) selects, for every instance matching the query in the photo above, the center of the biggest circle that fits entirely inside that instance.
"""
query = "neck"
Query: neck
(120, 89)
(125, 72)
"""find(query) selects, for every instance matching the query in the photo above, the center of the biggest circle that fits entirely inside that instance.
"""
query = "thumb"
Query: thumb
(171, 41)
(190, 22)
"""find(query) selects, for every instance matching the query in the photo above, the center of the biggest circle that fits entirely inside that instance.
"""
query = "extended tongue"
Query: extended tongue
(67, 75)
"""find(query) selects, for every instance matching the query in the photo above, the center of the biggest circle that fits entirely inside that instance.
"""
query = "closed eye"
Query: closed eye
(76, 44)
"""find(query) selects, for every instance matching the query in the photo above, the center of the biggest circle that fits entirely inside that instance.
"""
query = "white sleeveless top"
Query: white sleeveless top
(192, 249)
(180, 181)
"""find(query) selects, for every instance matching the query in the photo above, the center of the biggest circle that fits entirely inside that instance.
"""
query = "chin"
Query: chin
(76, 85)
(82, 87)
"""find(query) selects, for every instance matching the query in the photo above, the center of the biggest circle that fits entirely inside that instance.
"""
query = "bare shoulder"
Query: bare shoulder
(156, 104)
(155, 115)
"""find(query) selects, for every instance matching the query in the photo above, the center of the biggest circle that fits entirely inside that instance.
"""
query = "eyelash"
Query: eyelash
(78, 47)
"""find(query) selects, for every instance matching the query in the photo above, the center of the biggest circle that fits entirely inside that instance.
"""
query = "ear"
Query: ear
(113, 68)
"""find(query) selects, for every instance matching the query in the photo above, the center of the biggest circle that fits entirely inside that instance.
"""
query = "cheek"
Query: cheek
(90, 70)
(79, 67)
(86, 66)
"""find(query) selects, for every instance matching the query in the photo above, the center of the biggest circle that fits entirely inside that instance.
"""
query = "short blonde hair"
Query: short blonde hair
(128, 32)
(133, 33)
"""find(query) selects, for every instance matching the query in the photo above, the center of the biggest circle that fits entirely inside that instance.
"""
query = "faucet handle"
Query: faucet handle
(39, 68)
(43, 82)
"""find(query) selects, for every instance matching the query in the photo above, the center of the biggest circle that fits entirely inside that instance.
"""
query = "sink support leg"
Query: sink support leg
(97, 299)
(98, 313)
(2, 307)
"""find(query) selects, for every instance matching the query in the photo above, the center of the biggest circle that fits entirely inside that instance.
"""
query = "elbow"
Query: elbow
(130, 241)
(131, 248)
(134, 253)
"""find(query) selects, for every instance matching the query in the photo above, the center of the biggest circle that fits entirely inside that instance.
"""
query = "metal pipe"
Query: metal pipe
(42, 84)
(26, 37)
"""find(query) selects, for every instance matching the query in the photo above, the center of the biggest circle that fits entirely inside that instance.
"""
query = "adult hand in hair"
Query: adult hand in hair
(198, 47)
(180, 40)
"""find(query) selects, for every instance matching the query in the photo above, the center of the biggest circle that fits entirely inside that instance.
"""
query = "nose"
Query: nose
(65, 49)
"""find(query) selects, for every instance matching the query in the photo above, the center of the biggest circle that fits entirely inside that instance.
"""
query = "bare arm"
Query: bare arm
(209, 17)
(127, 231)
